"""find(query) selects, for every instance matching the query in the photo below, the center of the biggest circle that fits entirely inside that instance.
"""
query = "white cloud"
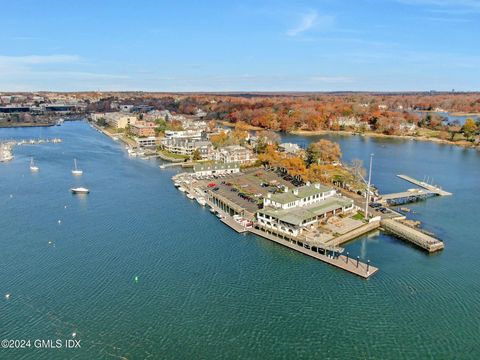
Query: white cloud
(308, 21)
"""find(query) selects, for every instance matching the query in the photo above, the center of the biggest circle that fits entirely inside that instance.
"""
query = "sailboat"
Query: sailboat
(76, 171)
(33, 167)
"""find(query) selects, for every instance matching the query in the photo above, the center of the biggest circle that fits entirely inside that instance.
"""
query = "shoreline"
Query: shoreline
(22, 125)
(378, 135)
(464, 144)
(459, 113)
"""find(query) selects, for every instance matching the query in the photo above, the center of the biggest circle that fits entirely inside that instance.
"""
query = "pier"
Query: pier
(407, 197)
(343, 262)
(432, 188)
(412, 235)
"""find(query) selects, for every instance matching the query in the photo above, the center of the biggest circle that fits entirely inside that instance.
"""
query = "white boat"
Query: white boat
(115, 138)
(80, 190)
(201, 201)
(76, 171)
(33, 167)
(177, 185)
(212, 210)
(190, 196)
(181, 189)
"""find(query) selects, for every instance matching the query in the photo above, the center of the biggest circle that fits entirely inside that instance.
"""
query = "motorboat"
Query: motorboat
(80, 190)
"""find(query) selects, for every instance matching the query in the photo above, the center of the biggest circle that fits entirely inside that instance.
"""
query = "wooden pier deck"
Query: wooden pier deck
(422, 184)
(412, 235)
(342, 262)
(407, 194)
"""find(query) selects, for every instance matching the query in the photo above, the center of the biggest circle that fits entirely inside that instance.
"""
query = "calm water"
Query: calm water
(206, 292)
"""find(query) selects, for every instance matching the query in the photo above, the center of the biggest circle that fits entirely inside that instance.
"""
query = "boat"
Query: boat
(60, 122)
(115, 138)
(201, 201)
(33, 167)
(177, 185)
(80, 190)
(220, 216)
(76, 171)
(212, 210)
(190, 196)
(181, 189)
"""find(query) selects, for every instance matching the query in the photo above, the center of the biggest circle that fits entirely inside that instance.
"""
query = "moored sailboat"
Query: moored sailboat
(76, 171)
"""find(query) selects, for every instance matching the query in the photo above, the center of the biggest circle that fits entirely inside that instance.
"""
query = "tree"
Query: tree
(265, 138)
(218, 140)
(161, 125)
(324, 151)
(469, 128)
(196, 155)
(294, 165)
(270, 137)
(212, 125)
(240, 134)
(102, 122)
(358, 170)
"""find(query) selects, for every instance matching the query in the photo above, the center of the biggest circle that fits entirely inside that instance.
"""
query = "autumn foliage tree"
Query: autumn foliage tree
(323, 151)
(469, 128)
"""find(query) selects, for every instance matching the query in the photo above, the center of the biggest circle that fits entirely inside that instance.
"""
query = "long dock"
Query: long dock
(407, 197)
(422, 184)
(412, 235)
(343, 262)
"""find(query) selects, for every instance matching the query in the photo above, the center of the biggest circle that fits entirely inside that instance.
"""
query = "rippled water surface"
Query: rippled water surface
(204, 291)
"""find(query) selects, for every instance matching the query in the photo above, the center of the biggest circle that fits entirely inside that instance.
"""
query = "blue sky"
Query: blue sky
(321, 45)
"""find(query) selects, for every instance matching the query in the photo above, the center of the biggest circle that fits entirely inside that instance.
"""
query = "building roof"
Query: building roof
(215, 166)
(302, 192)
(297, 215)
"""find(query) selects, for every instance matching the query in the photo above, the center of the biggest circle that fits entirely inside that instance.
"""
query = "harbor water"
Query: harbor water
(136, 270)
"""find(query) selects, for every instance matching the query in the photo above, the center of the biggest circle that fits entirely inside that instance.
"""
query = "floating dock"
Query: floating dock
(432, 188)
(412, 235)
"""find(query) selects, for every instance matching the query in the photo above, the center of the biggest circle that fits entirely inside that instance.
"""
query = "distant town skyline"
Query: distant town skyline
(323, 45)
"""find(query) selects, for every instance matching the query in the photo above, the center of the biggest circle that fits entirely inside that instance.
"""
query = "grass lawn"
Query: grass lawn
(358, 216)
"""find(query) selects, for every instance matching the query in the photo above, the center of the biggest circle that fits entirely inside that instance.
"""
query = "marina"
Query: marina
(174, 244)
(317, 243)
(243, 221)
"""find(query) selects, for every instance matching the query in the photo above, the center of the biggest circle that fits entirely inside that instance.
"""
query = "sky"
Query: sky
(228, 45)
